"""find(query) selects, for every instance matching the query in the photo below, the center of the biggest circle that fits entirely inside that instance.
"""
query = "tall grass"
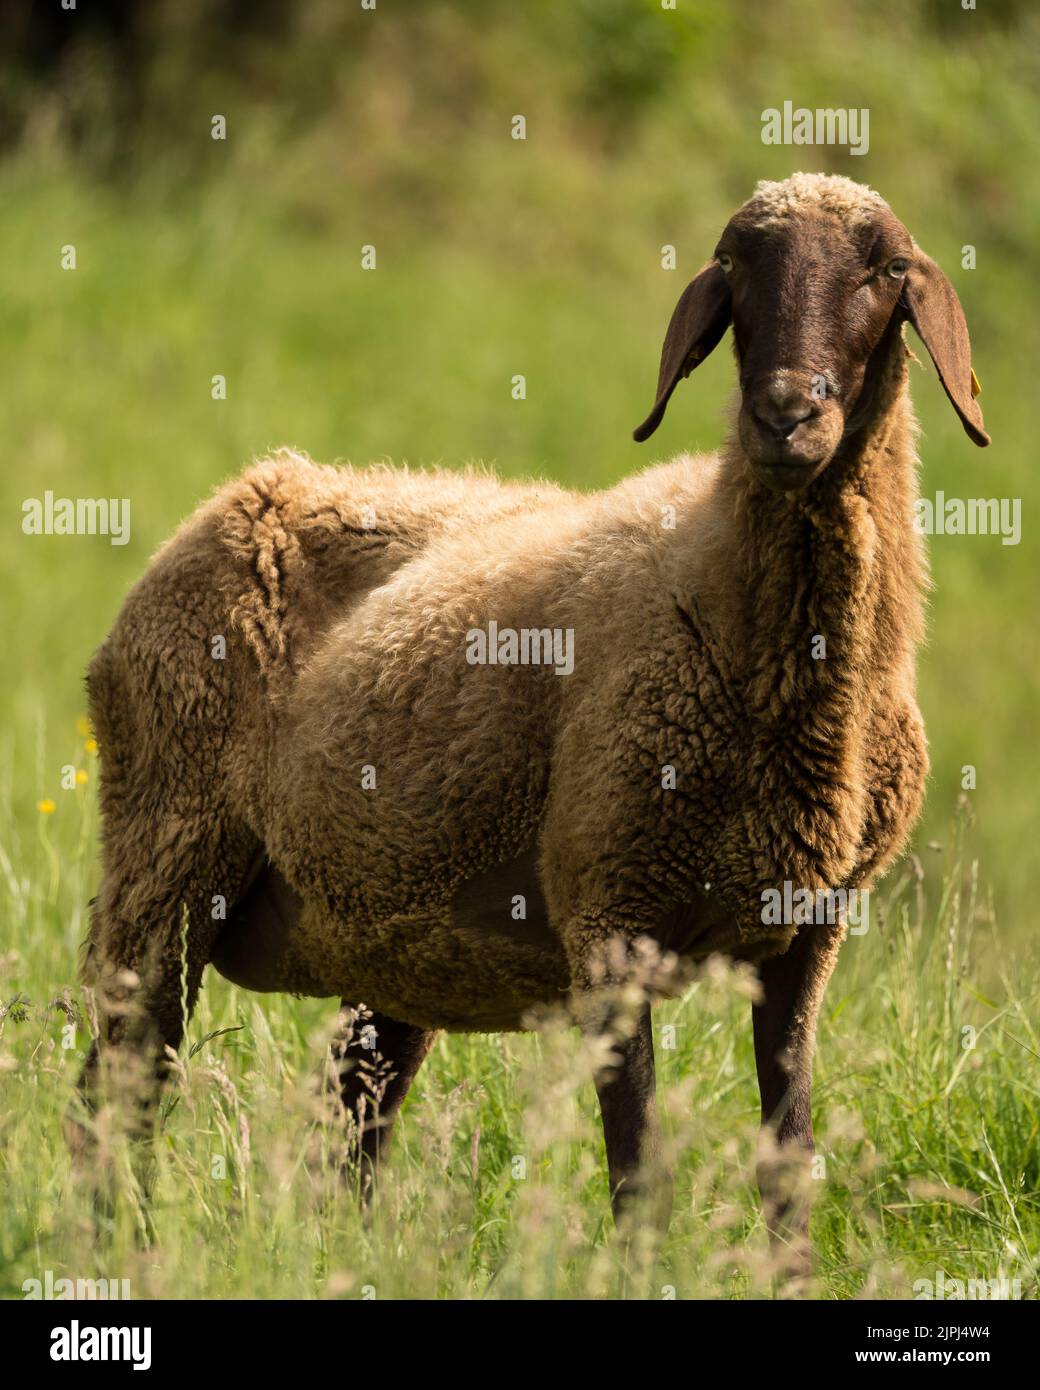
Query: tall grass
(927, 1114)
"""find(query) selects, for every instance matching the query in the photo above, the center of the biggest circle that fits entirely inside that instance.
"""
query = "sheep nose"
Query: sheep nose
(782, 411)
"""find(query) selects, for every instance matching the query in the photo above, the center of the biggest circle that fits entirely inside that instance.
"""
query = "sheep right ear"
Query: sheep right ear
(698, 322)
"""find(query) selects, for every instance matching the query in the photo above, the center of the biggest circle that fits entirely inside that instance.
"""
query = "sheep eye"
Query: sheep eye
(725, 262)
(897, 268)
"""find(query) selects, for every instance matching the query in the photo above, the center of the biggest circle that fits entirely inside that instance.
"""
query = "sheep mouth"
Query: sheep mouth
(789, 462)
(788, 475)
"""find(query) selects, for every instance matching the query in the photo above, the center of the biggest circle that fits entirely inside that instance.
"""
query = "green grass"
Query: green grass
(929, 1145)
(497, 257)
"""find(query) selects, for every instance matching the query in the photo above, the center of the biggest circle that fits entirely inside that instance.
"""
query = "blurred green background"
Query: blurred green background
(495, 257)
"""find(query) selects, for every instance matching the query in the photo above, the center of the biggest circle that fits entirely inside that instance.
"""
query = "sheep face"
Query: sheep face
(814, 298)
(816, 276)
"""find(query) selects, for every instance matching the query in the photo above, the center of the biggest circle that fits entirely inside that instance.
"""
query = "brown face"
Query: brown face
(817, 299)
(811, 299)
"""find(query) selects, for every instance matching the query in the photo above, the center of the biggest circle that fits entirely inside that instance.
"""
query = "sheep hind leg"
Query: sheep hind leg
(140, 997)
(373, 1061)
(151, 933)
(785, 1034)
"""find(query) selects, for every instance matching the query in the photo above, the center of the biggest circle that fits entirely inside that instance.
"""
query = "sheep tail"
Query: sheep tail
(265, 550)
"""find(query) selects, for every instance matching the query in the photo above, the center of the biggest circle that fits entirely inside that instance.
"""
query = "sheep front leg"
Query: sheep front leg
(785, 1034)
(627, 1091)
(626, 1087)
(374, 1060)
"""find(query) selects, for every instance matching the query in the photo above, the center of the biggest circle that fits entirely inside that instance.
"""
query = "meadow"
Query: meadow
(927, 1122)
(495, 258)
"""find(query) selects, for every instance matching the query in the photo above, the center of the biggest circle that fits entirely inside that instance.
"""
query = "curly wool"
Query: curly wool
(829, 193)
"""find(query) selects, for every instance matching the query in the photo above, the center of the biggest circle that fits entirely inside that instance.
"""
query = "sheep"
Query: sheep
(300, 719)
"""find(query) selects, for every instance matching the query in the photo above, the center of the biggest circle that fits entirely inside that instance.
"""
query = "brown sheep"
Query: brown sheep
(372, 801)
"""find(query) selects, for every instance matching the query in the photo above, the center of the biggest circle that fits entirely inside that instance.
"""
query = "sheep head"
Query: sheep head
(816, 276)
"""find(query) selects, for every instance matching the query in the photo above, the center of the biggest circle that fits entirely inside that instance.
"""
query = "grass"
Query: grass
(498, 258)
(927, 1114)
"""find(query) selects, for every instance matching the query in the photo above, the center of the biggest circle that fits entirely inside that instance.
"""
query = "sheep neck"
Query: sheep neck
(831, 579)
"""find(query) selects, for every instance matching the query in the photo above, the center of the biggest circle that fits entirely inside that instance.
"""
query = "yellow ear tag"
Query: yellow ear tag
(696, 356)
(975, 387)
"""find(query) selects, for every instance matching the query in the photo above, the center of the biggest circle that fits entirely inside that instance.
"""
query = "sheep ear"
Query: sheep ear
(935, 311)
(698, 322)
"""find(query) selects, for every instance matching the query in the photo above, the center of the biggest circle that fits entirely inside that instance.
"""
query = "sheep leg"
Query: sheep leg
(610, 1002)
(626, 1087)
(150, 938)
(627, 1091)
(141, 1001)
(374, 1059)
(785, 1032)
(140, 1016)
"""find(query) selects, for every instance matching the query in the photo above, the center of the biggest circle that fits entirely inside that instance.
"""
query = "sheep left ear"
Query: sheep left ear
(698, 322)
(935, 311)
